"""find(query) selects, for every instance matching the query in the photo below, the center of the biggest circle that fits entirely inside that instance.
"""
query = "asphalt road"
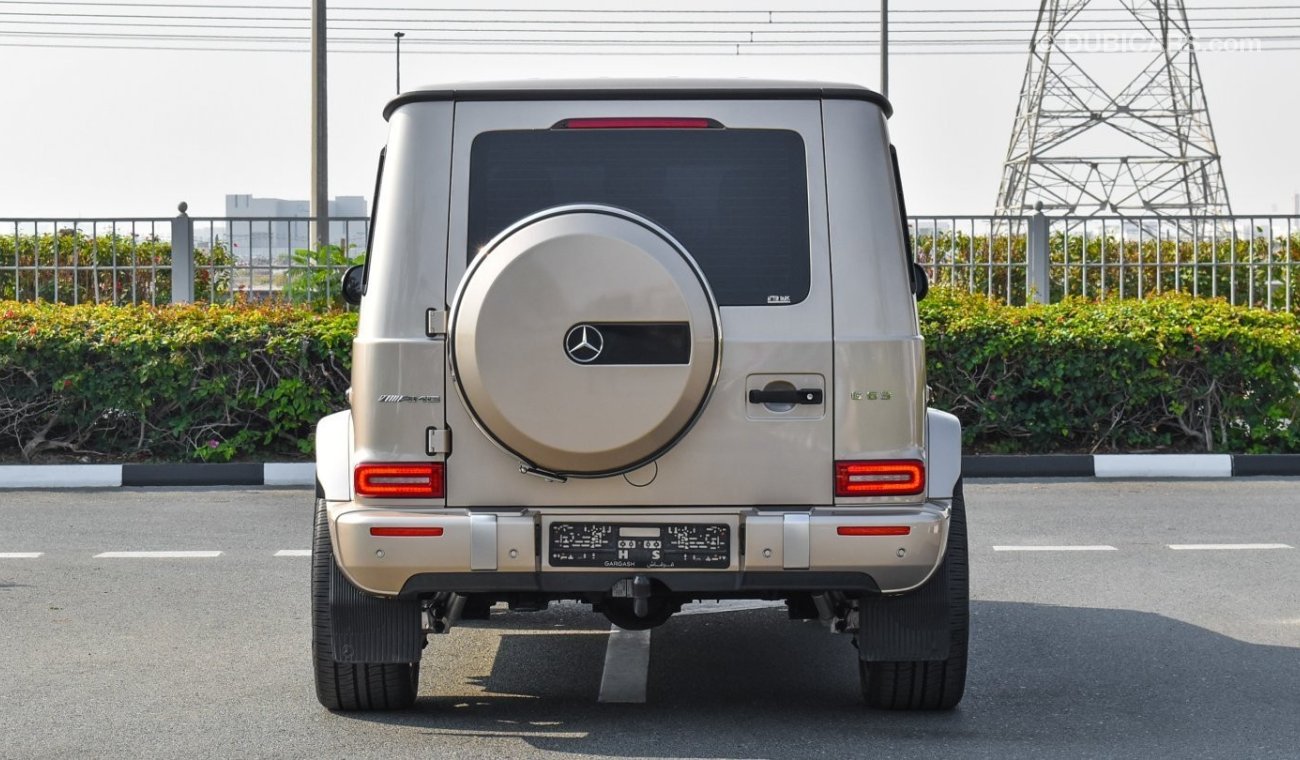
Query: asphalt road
(1138, 650)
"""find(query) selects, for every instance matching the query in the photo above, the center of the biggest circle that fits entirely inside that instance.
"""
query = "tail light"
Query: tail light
(638, 122)
(402, 480)
(895, 477)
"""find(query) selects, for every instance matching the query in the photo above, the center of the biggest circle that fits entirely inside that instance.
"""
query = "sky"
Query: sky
(130, 133)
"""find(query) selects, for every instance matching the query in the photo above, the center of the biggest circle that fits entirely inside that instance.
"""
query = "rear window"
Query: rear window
(737, 199)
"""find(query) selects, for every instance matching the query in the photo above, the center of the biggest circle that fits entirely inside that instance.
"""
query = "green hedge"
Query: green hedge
(177, 383)
(1171, 373)
(220, 383)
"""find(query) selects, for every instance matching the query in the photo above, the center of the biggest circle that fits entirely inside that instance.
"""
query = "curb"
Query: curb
(979, 466)
(1130, 465)
(117, 475)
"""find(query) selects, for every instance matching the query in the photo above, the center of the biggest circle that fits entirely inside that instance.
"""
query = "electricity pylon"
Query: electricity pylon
(1143, 148)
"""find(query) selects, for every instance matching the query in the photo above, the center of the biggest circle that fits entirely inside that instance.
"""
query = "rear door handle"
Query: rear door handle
(801, 396)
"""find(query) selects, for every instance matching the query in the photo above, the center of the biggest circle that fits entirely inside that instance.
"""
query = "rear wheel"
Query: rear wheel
(936, 684)
(349, 685)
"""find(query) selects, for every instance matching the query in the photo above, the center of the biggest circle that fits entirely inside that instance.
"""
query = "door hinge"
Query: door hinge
(435, 323)
(437, 441)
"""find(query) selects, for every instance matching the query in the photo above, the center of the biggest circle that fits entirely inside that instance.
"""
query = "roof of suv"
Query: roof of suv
(637, 89)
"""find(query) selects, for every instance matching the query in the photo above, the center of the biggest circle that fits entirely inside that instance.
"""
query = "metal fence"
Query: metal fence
(1248, 260)
(272, 258)
(77, 260)
(178, 260)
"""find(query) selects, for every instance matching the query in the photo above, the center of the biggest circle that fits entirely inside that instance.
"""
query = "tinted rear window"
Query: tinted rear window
(737, 199)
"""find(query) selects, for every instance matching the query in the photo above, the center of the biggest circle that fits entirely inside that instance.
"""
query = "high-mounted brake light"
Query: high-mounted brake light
(898, 477)
(405, 532)
(638, 122)
(874, 530)
(421, 480)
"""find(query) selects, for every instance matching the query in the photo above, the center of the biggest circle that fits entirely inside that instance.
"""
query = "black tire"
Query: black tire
(937, 684)
(346, 685)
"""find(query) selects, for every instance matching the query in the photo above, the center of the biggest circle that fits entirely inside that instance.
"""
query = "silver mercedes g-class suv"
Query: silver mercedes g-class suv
(638, 343)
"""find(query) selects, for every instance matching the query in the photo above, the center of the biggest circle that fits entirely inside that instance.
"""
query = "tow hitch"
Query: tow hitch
(633, 605)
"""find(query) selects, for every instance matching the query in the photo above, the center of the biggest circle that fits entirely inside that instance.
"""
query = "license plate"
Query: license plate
(640, 545)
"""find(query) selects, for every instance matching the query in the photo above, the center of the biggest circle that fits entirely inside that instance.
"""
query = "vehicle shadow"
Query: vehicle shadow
(1045, 681)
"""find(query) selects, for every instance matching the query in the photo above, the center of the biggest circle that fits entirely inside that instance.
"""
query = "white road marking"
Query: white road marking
(1213, 547)
(477, 732)
(20, 555)
(155, 555)
(627, 664)
(293, 553)
(1063, 548)
(728, 605)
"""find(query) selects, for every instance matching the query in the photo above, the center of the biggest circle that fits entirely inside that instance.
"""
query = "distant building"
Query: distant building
(268, 234)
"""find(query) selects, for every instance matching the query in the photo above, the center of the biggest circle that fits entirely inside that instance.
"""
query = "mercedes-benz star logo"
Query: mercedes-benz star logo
(584, 343)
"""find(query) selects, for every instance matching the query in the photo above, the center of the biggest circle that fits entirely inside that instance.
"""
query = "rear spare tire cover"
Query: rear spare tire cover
(584, 340)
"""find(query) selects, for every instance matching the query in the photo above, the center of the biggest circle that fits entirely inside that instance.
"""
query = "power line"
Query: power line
(825, 27)
(594, 16)
(349, 25)
(769, 31)
(738, 37)
(594, 21)
(532, 43)
(730, 52)
(648, 11)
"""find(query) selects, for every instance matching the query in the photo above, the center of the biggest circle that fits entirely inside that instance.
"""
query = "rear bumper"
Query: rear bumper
(484, 551)
(697, 582)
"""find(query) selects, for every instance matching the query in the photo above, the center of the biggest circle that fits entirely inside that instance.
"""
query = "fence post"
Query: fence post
(182, 256)
(1039, 255)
